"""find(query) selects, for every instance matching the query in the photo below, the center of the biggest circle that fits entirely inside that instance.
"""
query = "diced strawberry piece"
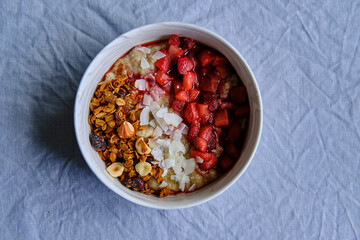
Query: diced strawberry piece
(223, 71)
(178, 105)
(193, 131)
(162, 78)
(226, 162)
(185, 64)
(163, 63)
(182, 96)
(212, 143)
(206, 132)
(221, 118)
(207, 119)
(231, 150)
(191, 113)
(210, 159)
(242, 111)
(238, 94)
(228, 105)
(203, 110)
(175, 52)
(193, 94)
(206, 56)
(177, 86)
(187, 43)
(200, 144)
(204, 70)
(188, 80)
(234, 132)
(212, 100)
(221, 87)
(210, 82)
(220, 60)
(174, 40)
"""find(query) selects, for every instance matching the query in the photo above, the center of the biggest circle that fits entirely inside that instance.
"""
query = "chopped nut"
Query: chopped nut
(143, 168)
(116, 169)
(126, 130)
(142, 147)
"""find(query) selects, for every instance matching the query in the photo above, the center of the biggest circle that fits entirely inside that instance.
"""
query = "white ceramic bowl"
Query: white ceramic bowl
(104, 60)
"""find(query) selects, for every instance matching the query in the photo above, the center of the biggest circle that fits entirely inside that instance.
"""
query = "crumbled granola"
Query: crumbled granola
(113, 119)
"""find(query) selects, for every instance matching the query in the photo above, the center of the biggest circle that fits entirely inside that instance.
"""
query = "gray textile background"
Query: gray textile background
(304, 181)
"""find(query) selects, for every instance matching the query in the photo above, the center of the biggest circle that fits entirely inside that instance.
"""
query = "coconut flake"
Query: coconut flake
(169, 162)
(144, 49)
(110, 76)
(165, 172)
(158, 132)
(157, 55)
(164, 142)
(175, 147)
(162, 112)
(158, 154)
(144, 63)
(192, 188)
(185, 131)
(172, 119)
(144, 116)
(152, 123)
(141, 84)
(199, 159)
(188, 165)
(146, 100)
(177, 169)
(163, 184)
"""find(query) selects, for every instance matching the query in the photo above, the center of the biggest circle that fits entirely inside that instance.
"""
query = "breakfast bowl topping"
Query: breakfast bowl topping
(169, 117)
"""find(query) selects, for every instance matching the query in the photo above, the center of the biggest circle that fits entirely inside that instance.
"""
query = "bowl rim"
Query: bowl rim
(211, 195)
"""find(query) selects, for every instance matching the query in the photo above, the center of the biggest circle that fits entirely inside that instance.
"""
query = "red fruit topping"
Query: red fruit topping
(178, 105)
(223, 71)
(191, 113)
(231, 150)
(185, 64)
(221, 118)
(175, 52)
(210, 159)
(162, 78)
(220, 60)
(221, 87)
(200, 144)
(226, 162)
(174, 40)
(212, 142)
(206, 132)
(203, 110)
(206, 57)
(234, 132)
(188, 80)
(205, 70)
(187, 43)
(193, 131)
(163, 63)
(193, 94)
(210, 82)
(182, 96)
(238, 94)
(207, 119)
(177, 86)
(242, 111)
(212, 100)
(228, 105)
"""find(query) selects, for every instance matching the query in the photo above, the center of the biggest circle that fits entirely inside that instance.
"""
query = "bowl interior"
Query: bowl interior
(104, 60)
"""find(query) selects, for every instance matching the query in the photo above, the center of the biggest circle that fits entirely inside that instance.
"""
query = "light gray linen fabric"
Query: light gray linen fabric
(303, 182)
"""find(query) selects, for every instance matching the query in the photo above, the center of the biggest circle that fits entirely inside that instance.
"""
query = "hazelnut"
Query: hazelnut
(126, 130)
(143, 168)
(142, 147)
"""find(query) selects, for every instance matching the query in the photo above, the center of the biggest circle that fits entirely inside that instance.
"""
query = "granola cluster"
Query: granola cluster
(114, 120)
